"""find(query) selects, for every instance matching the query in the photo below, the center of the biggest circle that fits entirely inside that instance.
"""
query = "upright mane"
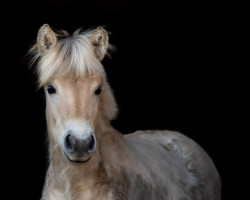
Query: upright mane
(70, 55)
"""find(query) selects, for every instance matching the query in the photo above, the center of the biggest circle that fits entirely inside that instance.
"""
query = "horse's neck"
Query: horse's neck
(111, 150)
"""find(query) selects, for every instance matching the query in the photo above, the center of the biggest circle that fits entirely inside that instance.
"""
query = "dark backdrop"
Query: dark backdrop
(170, 71)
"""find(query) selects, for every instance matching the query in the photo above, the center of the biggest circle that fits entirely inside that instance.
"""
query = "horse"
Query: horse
(88, 158)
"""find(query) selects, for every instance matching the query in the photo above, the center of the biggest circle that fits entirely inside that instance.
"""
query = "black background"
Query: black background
(170, 71)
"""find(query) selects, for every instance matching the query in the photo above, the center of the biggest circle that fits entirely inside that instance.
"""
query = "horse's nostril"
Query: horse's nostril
(69, 143)
(91, 143)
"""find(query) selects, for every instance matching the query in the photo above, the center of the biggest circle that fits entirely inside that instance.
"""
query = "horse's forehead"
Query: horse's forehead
(86, 80)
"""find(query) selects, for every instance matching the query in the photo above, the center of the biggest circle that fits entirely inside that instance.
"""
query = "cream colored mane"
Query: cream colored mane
(70, 55)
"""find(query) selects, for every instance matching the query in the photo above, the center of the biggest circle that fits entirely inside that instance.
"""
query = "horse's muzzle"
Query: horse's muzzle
(79, 149)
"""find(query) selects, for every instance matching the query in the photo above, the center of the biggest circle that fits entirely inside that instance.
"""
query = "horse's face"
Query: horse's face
(72, 108)
(70, 71)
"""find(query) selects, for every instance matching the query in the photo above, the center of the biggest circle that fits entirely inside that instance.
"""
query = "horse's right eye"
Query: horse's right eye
(51, 89)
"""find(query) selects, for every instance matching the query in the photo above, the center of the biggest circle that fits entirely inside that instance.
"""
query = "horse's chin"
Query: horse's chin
(83, 159)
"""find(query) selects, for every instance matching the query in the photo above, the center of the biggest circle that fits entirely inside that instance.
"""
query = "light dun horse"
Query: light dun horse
(90, 160)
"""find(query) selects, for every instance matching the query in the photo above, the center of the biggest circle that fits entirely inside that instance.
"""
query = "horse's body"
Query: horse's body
(178, 168)
(89, 160)
(158, 165)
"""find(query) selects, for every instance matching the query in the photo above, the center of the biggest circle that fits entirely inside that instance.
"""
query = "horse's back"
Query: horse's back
(178, 163)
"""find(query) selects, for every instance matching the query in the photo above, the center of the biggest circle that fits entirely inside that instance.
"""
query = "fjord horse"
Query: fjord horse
(90, 160)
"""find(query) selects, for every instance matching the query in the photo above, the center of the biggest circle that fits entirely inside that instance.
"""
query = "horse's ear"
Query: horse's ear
(100, 41)
(46, 38)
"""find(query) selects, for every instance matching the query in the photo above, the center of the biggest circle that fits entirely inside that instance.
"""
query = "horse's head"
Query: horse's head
(77, 93)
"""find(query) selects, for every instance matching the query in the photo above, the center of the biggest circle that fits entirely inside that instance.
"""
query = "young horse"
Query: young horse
(88, 159)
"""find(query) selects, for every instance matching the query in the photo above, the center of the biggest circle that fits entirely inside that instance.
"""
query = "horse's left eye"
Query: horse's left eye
(99, 90)
(51, 89)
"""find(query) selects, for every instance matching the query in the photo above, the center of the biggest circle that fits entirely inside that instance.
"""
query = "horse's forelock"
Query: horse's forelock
(71, 55)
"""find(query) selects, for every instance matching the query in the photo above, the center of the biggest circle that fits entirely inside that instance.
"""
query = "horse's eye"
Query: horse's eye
(51, 89)
(99, 90)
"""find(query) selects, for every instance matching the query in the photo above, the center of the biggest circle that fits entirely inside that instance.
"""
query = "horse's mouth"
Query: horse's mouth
(82, 159)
